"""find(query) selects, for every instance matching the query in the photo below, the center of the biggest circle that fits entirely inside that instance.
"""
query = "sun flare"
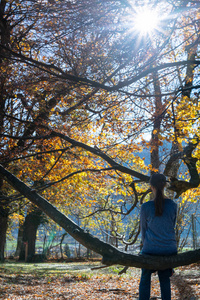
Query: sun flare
(146, 21)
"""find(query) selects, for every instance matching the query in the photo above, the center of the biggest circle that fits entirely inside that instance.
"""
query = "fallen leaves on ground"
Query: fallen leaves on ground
(185, 286)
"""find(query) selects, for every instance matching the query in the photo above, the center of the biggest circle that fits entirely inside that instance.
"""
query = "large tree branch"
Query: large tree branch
(111, 255)
(59, 73)
(98, 152)
(180, 186)
(93, 150)
(176, 185)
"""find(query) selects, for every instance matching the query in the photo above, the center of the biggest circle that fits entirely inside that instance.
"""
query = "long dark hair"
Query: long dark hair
(158, 181)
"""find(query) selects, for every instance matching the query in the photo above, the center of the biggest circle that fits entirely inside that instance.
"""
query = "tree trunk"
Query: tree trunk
(3, 230)
(111, 255)
(31, 223)
(19, 239)
(5, 40)
(157, 118)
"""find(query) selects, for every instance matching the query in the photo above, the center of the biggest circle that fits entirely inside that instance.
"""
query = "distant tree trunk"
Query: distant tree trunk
(30, 227)
(3, 230)
(157, 119)
(5, 41)
(19, 239)
(4, 213)
(62, 239)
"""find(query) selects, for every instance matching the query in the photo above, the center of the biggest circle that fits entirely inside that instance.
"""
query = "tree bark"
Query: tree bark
(19, 239)
(111, 255)
(5, 40)
(31, 223)
(3, 230)
(157, 119)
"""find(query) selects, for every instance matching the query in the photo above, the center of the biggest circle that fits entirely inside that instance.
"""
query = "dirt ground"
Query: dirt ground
(81, 281)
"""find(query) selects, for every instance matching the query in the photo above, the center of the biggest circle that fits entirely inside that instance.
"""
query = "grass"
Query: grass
(59, 269)
(75, 280)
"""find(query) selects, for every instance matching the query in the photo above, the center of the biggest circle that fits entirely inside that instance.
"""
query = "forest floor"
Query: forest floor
(78, 280)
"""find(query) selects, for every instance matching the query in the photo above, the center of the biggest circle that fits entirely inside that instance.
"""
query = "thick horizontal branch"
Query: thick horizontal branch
(95, 151)
(99, 153)
(152, 70)
(111, 255)
(176, 185)
(59, 73)
(152, 262)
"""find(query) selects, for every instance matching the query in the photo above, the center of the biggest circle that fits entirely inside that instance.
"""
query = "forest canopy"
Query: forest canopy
(94, 98)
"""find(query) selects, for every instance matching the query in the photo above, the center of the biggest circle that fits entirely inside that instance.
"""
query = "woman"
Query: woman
(157, 223)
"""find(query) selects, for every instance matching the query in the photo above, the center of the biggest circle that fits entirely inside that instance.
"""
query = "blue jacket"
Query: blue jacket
(158, 233)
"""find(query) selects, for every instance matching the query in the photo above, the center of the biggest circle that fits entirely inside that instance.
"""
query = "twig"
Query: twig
(100, 267)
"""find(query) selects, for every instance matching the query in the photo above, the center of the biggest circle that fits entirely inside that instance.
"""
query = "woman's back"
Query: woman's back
(158, 234)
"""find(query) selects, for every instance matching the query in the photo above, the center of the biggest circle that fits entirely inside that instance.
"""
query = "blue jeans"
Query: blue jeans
(145, 284)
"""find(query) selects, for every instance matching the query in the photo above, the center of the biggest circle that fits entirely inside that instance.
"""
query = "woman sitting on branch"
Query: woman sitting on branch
(157, 222)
